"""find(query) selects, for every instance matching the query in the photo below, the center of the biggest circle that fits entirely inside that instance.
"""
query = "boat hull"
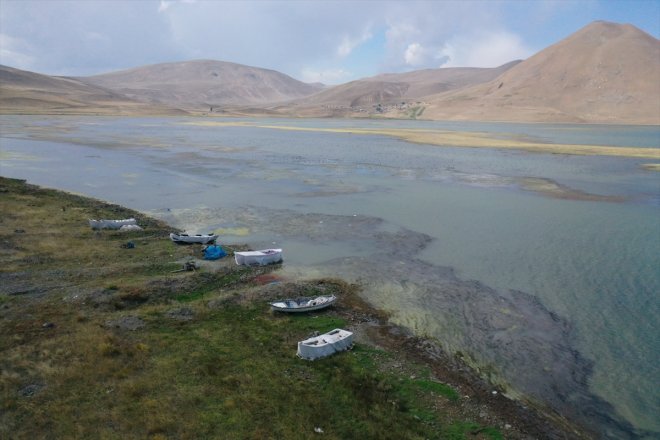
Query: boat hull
(187, 239)
(303, 305)
(258, 258)
(325, 345)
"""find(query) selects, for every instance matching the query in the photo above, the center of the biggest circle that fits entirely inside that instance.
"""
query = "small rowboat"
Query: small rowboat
(301, 305)
(325, 345)
(258, 258)
(111, 224)
(199, 238)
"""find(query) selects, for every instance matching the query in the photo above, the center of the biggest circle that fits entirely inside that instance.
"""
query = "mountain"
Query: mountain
(27, 92)
(393, 88)
(200, 84)
(604, 73)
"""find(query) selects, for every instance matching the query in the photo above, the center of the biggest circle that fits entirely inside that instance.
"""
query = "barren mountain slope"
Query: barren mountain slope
(392, 88)
(27, 92)
(201, 84)
(604, 73)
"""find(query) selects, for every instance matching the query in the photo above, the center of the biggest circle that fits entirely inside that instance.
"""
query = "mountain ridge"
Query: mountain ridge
(603, 73)
(200, 84)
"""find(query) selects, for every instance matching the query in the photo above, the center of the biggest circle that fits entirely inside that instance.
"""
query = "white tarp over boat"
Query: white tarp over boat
(325, 345)
(111, 224)
(258, 258)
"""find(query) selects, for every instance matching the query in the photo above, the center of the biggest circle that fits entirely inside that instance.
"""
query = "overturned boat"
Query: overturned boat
(258, 258)
(198, 238)
(325, 345)
(300, 305)
(111, 224)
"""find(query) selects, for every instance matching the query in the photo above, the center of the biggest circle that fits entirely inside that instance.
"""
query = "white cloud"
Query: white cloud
(329, 76)
(165, 4)
(317, 39)
(348, 44)
(415, 55)
(485, 49)
(15, 52)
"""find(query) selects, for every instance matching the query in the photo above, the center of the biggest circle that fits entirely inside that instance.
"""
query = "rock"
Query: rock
(131, 323)
(30, 390)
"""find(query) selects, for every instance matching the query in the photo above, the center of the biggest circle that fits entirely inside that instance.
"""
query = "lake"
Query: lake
(542, 270)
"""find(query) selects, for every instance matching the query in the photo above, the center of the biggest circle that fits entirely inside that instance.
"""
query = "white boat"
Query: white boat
(303, 304)
(198, 238)
(128, 228)
(258, 258)
(325, 345)
(111, 224)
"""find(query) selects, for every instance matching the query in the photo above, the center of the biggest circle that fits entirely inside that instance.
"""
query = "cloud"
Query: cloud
(165, 4)
(415, 55)
(348, 44)
(320, 40)
(329, 76)
(484, 49)
(15, 52)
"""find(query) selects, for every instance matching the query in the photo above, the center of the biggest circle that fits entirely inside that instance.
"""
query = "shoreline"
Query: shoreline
(479, 400)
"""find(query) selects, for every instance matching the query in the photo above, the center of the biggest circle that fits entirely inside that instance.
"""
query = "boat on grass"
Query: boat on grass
(111, 224)
(300, 305)
(258, 258)
(198, 238)
(325, 345)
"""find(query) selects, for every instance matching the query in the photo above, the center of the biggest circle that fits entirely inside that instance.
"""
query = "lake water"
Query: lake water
(553, 295)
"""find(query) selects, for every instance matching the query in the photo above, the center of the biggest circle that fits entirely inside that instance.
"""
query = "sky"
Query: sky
(311, 40)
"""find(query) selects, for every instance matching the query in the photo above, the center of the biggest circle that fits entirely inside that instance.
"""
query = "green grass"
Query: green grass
(232, 372)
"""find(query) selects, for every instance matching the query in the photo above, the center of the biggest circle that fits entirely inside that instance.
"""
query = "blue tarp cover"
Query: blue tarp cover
(214, 252)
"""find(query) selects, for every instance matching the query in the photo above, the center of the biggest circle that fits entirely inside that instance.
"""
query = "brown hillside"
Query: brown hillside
(604, 73)
(203, 83)
(28, 92)
(393, 88)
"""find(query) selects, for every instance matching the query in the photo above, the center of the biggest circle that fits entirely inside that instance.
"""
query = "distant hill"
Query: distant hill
(32, 93)
(394, 88)
(604, 73)
(201, 84)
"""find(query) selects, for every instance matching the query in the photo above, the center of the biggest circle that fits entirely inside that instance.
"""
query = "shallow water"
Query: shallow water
(555, 291)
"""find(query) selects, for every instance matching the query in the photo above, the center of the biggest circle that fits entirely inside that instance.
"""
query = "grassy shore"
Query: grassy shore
(103, 340)
(464, 139)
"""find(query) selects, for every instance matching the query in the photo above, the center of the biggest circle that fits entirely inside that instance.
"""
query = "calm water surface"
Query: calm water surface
(548, 290)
